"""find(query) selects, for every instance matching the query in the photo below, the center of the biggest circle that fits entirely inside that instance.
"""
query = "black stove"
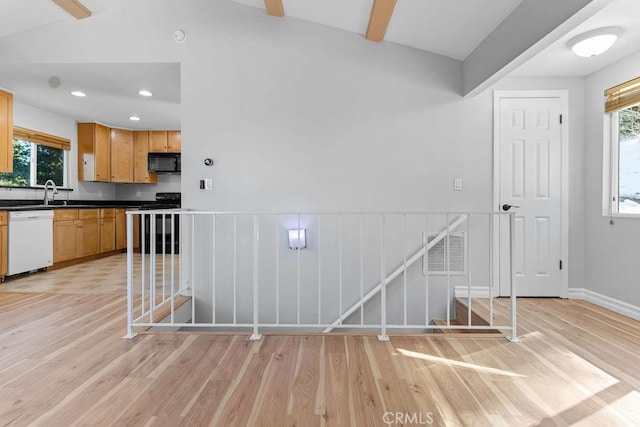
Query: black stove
(164, 201)
(165, 242)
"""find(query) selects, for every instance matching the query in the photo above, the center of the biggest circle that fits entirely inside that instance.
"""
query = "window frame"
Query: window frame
(611, 154)
(33, 166)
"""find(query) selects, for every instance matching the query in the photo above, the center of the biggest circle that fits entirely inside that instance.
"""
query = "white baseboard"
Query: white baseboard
(476, 292)
(604, 301)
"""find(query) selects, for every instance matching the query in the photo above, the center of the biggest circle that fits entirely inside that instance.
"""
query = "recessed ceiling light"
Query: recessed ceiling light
(78, 93)
(134, 118)
(145, 93)
(595, 42)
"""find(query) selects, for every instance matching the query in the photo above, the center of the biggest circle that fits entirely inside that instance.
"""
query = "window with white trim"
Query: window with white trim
(37, 157)
(623, 110)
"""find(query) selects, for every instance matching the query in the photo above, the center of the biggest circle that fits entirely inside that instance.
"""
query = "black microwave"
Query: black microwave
(164, 162)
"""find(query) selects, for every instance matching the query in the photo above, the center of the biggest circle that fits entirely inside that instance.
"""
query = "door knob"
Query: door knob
(507, 206)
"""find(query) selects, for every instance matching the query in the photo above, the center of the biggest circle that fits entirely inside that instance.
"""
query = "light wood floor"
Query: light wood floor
(63, 362)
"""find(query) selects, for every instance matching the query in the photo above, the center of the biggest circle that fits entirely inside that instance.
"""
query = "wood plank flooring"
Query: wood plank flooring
(63, 362)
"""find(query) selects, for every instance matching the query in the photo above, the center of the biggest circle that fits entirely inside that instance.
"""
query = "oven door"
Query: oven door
(165, 241)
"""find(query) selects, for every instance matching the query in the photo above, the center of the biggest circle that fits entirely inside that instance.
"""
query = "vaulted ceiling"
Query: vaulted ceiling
(491, 38)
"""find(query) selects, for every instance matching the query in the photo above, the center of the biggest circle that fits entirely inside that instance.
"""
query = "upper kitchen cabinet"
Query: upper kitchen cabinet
(174, 141)
(6, 132)
(165, 141)
(141, 172)
(94, 152)
(122, 159)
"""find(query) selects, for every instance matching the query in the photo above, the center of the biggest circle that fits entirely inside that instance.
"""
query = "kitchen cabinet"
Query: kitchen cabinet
(65, 234)
(94, 152)
(122, 159)
(141, 172)
(165, 141)
(88, 236)
(3, 243)
(107, 230)
(6, 132)
(121, 229)
(76, 233)
(174, 141)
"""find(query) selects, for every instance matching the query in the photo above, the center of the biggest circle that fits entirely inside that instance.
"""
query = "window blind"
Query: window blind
(622, 96)
(41, 138)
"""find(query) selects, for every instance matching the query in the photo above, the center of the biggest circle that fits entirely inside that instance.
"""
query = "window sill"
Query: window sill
(622, 215)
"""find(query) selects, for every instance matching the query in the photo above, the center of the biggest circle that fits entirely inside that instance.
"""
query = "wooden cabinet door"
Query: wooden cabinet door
(121, 229)
(6, 132)
(141, 172)
(88, 237)
(107, 234)
(121, 155)
(94, 152)
(158, 141)
(174, 141)
(102, 153)
(65, 245)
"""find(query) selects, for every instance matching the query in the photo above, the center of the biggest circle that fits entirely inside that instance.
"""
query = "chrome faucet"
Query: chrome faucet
(46, 189)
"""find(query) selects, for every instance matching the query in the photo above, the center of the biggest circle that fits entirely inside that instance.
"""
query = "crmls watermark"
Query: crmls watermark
(408, 418)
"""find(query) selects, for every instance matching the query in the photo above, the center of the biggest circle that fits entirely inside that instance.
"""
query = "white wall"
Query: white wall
(302, 117)
(612, 251)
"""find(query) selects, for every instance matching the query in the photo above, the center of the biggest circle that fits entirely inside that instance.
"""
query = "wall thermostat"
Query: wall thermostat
(208, 162)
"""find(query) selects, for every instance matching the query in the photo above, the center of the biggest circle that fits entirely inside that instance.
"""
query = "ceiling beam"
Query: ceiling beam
(274, 7)
(74, 8)
(532, 27)
(380, 16)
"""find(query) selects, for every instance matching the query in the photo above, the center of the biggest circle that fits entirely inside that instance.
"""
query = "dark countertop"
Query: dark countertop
(21, 205)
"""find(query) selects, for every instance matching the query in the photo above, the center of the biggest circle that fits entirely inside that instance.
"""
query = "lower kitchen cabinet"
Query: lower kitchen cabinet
(121, 229)
(79, 233)
(76, 233)
(3, 243)
(107, 230)
(65, 232)
(88, 237)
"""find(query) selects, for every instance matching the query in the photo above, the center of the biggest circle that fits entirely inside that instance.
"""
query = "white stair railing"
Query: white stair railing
(397, 272)
(239, 272)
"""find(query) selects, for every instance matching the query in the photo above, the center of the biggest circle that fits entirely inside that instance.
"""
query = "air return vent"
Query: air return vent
(439, 256)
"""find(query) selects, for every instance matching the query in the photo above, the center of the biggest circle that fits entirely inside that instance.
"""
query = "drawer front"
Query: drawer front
(107, 213)
(65, 214)
(3, 218)
(87, 213)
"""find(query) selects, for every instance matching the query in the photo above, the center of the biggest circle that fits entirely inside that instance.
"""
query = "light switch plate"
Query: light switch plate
(457, 184)
(208, 184)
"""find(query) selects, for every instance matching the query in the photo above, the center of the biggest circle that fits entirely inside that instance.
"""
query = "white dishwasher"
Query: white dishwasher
(30, 241)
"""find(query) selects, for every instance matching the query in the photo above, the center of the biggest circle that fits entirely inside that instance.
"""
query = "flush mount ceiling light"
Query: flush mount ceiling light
(78, 93)
(144, 92)
(134, 118)
(595, 42)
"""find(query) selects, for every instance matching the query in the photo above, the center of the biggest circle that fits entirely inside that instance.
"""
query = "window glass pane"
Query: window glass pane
(50, 165)
(629, 160)
(21, 165)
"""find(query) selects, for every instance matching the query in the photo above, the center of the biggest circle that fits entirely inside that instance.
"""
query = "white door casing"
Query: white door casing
(530, 171)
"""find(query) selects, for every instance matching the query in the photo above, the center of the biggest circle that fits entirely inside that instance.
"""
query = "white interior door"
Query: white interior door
(530, 177)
